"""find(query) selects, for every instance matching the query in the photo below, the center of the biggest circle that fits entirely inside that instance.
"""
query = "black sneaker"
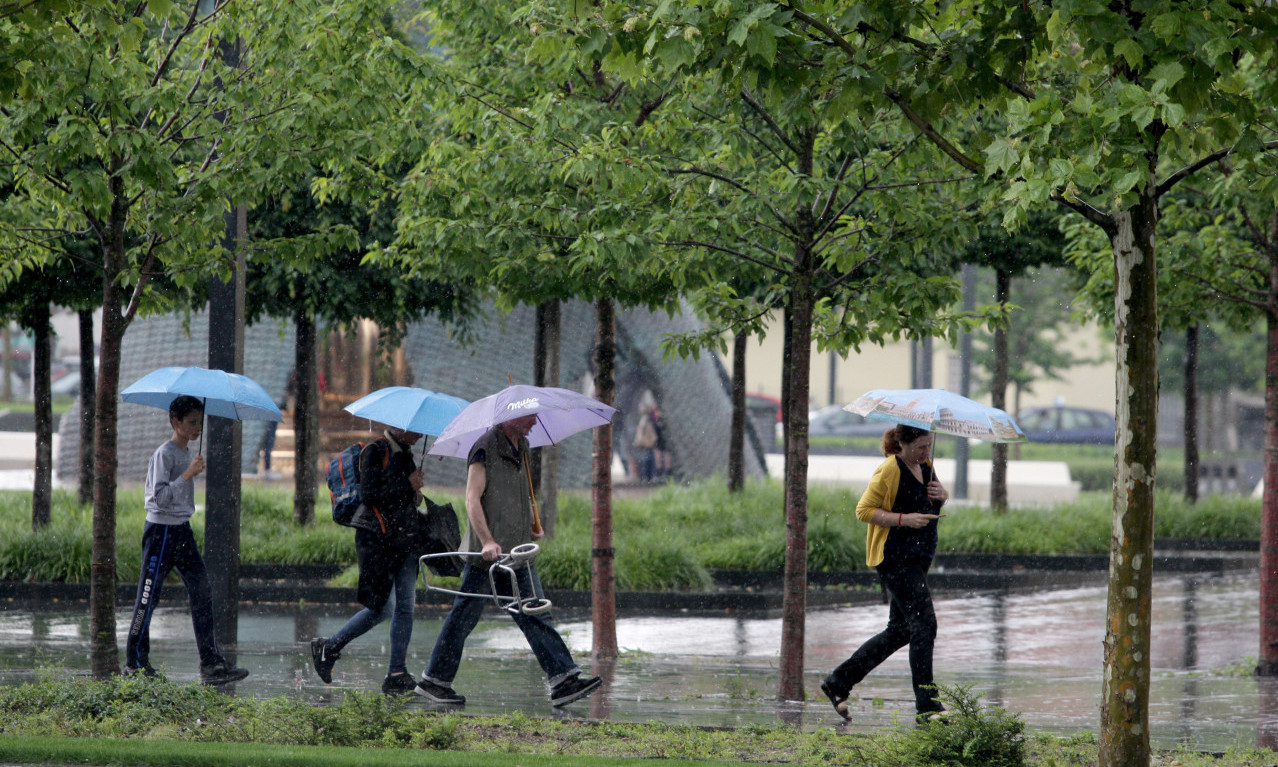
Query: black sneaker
(573, 688)
(323, 658)
(221, 673)
(398, 684)
(146, 671)
(438, 693)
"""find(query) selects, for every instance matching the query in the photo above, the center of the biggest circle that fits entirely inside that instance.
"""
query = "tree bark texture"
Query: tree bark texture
(998, 397)
(104, 655)
(796, 386)
(736, 436)
(305, 418)
(795, 584)
(1191, 413)
(88, 405)
(41, 360)
(603, 597)
(1268, 665)
(1125, 695)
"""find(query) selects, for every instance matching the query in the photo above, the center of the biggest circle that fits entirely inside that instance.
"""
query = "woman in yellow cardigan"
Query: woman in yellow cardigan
(901, 507)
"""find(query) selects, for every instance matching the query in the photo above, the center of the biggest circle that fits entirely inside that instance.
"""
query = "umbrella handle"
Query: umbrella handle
(532, 496)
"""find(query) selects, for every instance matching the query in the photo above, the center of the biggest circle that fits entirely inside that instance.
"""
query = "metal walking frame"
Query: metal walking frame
(518, 558)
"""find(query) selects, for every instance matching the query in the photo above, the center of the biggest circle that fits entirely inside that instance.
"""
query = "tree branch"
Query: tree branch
(893, 95)
(761, 141)
(1100, 218)
(838, 184)
(648, 108)
(729, 251)
(697, 171)
(1201, 163)
(767, 118)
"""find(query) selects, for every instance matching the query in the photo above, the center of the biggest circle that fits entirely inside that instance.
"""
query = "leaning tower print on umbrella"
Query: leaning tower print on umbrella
(939, 411)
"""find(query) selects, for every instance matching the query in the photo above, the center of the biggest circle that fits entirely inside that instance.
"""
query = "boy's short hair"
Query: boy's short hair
(183, 405)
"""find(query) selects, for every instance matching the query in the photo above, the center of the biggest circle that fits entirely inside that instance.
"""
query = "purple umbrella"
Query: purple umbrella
(560, 414)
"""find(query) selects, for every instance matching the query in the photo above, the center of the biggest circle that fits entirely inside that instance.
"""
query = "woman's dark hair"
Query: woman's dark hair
(900, 435)
(183, 405)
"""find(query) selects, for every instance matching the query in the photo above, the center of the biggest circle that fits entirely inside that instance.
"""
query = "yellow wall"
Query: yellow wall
(888, 367)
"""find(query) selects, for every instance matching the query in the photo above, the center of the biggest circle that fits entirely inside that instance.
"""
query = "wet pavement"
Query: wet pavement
(1038, 654)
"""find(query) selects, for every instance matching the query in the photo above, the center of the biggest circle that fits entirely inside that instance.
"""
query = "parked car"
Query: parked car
(765, 413)
(66, 386)
(1074, 425)
(834, 421)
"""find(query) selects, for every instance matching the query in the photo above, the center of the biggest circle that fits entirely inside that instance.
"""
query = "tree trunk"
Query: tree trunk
(88, 403)
(41, 361)
(1191, 413)
(736, 435)
(546, 460)
(305, 418)
(603, 598)
(1124, 740)
(798, 373)
(1268, 665)
(795, 585)
(998, 398)
(104, 655)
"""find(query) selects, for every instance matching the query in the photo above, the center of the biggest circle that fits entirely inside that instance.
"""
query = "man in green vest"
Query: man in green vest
(499, 512)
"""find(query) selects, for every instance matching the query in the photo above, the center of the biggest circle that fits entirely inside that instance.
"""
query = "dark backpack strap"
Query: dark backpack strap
(385, 446)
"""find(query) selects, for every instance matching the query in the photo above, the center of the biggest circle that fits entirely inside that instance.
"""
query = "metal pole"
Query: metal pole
(961, 452)
(222, 483)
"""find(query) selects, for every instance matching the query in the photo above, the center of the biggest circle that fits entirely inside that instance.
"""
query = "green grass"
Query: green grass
(667, 539)
(139, 721)
(59, 405)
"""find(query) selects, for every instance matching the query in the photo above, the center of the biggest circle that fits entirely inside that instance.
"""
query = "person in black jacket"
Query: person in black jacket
(387, 545)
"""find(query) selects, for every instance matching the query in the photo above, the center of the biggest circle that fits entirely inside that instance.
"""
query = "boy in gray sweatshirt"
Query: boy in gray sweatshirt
(168, 542)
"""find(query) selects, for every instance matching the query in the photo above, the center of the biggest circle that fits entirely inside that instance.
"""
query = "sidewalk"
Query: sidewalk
(1037, 654)
(1029, 482)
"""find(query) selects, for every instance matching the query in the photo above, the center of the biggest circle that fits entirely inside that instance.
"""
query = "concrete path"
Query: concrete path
(1030, 483)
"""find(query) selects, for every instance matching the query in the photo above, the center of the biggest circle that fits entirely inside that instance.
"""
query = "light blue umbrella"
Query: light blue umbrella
(409, 408)
(560, 414)
(226, 395)
(940, 411)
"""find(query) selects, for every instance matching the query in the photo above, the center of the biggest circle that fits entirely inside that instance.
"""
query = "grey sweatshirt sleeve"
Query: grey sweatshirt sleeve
(170, 499)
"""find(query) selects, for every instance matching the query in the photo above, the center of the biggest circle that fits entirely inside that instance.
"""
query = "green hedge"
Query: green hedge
(667, 539)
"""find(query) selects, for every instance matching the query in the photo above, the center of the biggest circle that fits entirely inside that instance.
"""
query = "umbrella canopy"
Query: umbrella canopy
(560, 414)
(408, 408)
(940, 411)
(227, 395)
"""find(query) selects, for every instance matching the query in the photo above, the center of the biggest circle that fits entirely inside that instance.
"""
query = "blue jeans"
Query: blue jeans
(549, 648)
(401, 628)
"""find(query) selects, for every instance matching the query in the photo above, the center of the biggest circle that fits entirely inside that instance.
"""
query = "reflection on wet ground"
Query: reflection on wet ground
(1037, 654)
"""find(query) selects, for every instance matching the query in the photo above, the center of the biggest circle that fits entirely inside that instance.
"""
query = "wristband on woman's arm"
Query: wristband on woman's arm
(900, 519)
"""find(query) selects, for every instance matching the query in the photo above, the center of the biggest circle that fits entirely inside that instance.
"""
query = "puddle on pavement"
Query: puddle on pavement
(1037, 654)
